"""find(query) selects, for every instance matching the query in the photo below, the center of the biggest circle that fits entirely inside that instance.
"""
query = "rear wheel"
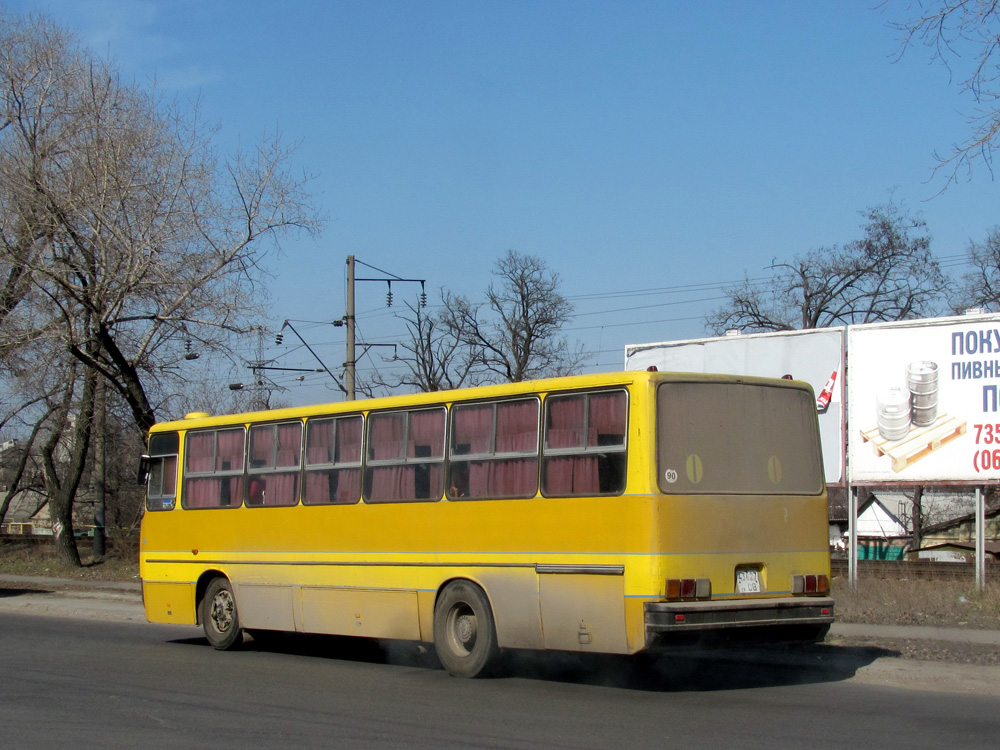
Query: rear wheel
(219, 616)
(465, 635)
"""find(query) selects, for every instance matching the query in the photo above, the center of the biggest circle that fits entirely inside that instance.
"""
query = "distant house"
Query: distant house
(964, 552)
(953, 540)
(882, 535)
(28, 513)
(885, 524)
(879, 528)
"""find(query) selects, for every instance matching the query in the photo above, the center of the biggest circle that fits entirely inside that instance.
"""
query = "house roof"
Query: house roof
(991, 548)
(875, 520)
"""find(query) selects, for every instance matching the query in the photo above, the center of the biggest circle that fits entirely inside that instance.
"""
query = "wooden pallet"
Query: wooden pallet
(920, 442)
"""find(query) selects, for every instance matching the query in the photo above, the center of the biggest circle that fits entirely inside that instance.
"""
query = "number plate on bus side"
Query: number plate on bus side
(747, 581)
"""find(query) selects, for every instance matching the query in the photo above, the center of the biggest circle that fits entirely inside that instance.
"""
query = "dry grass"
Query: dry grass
(875, 601)
(41, 560)
(918, 602)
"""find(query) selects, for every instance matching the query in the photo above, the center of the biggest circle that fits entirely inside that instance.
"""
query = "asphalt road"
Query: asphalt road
(67, 682)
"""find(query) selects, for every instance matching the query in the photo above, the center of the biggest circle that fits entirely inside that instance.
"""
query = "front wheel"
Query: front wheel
(220, 617)
(465, 635)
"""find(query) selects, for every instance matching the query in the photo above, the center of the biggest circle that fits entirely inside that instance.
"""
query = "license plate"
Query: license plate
(747, 582)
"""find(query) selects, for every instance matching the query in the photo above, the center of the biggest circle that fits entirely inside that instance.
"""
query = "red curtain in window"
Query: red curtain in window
(289, 444)
(349, 440)
(332, 486)
(473, 428)
(230, 451)
(319, 488)
(517, 426)
(200, 451)
(319, 442)
(348, 486)
(209, 492)
(503, 477)
(479, 479)
(516, 431)
(281, 489)
(513, 477)
(571, 475)
(392, 483)
(202, 493)
(608, 413)
(565, 422)
(386, 433)
(169, 486)
(426, 431)
(262, 446)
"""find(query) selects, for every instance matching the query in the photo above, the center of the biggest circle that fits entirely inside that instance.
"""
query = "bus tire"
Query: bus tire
(219, 616)
(465, 636)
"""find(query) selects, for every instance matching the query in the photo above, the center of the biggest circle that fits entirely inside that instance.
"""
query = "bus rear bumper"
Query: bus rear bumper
(767, 620)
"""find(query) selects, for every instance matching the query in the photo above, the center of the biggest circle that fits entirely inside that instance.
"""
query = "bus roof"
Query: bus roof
(567, 383)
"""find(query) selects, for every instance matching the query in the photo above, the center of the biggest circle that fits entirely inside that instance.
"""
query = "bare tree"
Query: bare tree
(980, 287)
(434, 353)
(516, 337)
(964, 36)
(122, 234)
(889, 274)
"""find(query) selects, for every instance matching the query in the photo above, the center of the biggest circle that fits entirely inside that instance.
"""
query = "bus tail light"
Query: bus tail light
(688, 588)
(811, 584)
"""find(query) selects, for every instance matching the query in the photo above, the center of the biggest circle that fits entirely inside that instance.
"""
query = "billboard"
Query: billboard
(923, 401)
(815, 356)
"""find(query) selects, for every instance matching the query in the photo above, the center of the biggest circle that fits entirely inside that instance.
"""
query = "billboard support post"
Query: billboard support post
(980, 539)
(852, 536)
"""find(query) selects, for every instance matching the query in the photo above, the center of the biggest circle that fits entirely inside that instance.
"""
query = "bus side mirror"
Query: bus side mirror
(142, 473)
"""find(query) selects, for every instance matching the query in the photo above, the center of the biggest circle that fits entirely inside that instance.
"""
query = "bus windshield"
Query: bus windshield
(737, 439)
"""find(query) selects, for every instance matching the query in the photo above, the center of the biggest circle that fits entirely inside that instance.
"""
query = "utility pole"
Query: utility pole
(349, 365)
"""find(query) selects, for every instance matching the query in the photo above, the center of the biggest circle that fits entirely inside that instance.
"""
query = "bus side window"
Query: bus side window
(213, 471)
(584, 451)
(274, 464)
(405, 456)
(333, 460)
(494, 450)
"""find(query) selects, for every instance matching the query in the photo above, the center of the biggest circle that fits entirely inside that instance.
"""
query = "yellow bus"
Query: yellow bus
(615, 513)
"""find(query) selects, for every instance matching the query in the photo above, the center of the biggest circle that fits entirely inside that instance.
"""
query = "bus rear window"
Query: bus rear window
(738, 439)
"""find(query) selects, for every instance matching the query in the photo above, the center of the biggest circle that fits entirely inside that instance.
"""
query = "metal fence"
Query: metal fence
(927, 570)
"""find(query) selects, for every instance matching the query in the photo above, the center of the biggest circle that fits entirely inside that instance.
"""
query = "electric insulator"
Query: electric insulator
(388, 298)
(187, 345)
(423, 299)
(278, 338)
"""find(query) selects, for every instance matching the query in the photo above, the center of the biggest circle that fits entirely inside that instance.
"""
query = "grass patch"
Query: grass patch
(917, 602)
(874, 600)
(40, 559)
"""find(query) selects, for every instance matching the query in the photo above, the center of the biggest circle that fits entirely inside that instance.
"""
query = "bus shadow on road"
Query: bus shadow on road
(10, 593)
(682, 670)
(701, 670)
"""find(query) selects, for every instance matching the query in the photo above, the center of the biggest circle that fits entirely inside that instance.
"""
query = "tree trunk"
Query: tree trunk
(916, 535)
(98, 476)
(61, 503)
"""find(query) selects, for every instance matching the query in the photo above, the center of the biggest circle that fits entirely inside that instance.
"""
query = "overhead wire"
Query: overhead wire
(380, 312)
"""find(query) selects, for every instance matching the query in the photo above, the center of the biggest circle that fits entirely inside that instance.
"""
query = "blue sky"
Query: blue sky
(648, 151)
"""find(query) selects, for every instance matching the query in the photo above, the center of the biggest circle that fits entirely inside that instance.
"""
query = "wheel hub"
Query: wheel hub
(465, 629)
(222, 611)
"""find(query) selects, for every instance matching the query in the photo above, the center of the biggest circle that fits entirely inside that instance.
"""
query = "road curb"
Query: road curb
(915, 632)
